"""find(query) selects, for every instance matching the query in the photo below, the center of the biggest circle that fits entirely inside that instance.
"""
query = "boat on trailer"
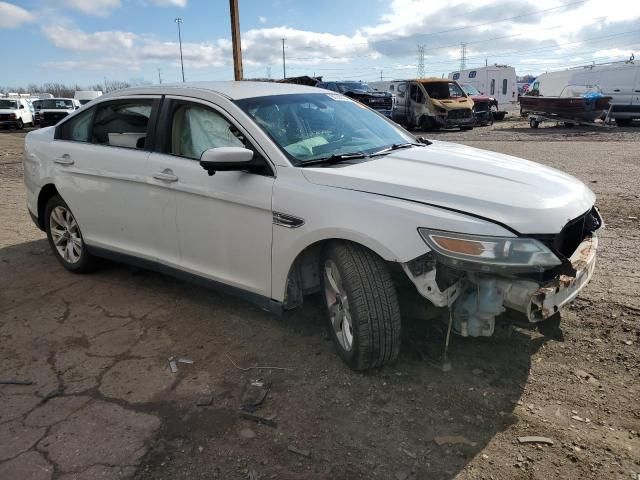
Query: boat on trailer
(577, 104)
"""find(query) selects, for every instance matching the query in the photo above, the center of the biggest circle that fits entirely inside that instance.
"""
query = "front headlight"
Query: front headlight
(490, 253)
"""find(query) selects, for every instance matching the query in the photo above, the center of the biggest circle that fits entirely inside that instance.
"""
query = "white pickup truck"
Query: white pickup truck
(15, 112)
(50, 111)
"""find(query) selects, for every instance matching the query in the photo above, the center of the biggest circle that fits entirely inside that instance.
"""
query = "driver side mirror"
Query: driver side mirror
(21, 107)
(226, 159)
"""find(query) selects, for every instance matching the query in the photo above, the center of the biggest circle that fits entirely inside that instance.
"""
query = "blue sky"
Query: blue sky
(84, 41)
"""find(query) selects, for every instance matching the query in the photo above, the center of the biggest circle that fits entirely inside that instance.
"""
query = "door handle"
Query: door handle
(64, 160)
(166, 176)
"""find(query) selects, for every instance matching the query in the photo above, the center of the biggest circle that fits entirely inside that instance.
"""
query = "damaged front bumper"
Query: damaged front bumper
(477, 298)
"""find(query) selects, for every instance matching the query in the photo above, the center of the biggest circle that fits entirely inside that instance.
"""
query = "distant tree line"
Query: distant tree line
(67, 91)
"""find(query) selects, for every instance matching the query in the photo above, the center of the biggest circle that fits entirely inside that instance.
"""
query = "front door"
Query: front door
(223, 222)
(100, 157)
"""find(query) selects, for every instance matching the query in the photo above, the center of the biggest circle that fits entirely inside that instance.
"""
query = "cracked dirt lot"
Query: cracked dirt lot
(104, 405)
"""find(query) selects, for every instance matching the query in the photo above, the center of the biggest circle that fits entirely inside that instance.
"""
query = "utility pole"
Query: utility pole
(463, 56)
(235, 40)
(269, 72)
(178, 20)
(420, 61)
(284, 64)
(159, 77)
(380, 74)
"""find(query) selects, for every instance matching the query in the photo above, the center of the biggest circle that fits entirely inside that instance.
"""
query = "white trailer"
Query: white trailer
(497, 81)
(619, 80)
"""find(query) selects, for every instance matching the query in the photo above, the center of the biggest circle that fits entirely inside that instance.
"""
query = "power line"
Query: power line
(457, 29)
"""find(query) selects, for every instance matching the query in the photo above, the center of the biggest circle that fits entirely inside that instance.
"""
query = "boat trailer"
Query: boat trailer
(536, 118)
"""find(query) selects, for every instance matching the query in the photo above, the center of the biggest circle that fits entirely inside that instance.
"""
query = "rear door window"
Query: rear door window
(122, 123)
(504, 86)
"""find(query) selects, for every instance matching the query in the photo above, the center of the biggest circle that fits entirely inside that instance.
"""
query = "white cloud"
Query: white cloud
(12, 16)
(262, 19)
(169, 3)
(78, 41)
(98, 8)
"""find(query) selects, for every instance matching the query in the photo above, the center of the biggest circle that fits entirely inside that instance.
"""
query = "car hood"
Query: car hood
(525, 196)
(54, 110)
(8, 110)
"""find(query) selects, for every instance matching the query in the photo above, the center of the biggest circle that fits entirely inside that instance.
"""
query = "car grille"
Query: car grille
(6, 116)
(459, 113)
(566, 242)
(480, 106)
(54, 117)
(379, 103)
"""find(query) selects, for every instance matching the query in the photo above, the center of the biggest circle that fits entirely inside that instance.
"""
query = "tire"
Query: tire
(623, 122)
(533, 123)
(20, 124)
(499, 116)
(61, 227)
(465, 128)
(427, 124)
(363, 314)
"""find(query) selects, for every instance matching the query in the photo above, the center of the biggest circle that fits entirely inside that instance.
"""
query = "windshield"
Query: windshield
(443, 90)
(349, 86)
(313, 126)
(12, 104)
(55, 103)
(470, 89)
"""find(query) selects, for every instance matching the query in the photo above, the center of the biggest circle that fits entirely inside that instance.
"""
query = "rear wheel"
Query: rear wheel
(65, 237)
(533, 123)
(623, 122)
(362, 306)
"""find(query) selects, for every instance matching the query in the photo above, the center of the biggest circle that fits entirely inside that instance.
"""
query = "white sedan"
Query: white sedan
(274, 191)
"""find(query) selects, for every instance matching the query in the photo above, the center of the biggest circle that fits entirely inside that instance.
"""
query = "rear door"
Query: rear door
(223, 222)
(100, 161)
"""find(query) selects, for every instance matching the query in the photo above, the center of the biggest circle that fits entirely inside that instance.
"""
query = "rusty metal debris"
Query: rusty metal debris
(254, 394)
(268, 421)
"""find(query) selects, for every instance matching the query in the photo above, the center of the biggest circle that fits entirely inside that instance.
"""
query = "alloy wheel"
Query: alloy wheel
(338, 305)
(65, 234)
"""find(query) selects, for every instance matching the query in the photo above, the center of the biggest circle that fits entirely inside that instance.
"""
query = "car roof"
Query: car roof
(232, 90)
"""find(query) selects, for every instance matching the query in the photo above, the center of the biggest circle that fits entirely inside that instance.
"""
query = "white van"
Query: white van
(620, 80)
(85, 96)
(15, 112)
(497, 81)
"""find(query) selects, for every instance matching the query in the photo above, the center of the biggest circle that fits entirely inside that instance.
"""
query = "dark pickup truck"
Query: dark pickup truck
(363, 93)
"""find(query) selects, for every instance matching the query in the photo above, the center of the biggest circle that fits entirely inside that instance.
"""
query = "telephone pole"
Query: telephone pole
(284, 63)
(420, 61)
(178, 20)
(159, 77)
(235, 39)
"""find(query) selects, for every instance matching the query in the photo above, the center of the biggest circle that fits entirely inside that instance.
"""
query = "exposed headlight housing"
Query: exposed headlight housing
(488, 254)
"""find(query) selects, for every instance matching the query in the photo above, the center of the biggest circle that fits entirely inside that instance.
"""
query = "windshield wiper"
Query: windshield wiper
(335, 158)
(398, 146)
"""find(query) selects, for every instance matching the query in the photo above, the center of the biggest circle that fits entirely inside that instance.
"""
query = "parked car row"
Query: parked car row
(428, 104)
(40, 110)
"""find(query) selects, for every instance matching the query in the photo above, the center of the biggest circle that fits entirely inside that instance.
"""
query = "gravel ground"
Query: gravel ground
(104, 404)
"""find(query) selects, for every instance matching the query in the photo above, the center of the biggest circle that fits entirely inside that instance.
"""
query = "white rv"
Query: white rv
(620, 80)
(497, 81)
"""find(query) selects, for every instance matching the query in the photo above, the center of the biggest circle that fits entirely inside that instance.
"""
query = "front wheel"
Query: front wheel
(362, 306)
(20, 124)
(65, 237)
